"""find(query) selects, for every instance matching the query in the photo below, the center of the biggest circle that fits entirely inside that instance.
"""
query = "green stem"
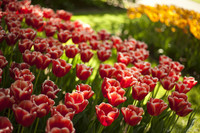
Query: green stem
(174, 123)
(22, 129)
(8, 113)
(147, 127)
(129, 128)
(100, 129)
(157, 89)
(35, 130)
(19, 128)
(36, 81)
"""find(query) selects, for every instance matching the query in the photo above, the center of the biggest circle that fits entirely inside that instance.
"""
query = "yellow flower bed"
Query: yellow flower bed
(171, 16)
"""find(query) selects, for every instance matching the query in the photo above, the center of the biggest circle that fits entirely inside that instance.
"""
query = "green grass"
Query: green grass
(198, 1)
(111, 20)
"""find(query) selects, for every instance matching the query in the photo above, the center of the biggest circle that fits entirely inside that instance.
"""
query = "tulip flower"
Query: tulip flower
(63, 111)
(106, 114)
(132, 114)
(178, 103)
(60, 124)
(43, 104)
(3, 61)
(21, 90)
(60, 68)
(86, 89)
(76, 101)
(82, 71)
(106, 70)
(50, 89)
(25, 112)
(140, 90)
(190, 81)
(156, 106)
(71, 51)
(5, 125)
(86, 55)
(25, 44)
(6, 99)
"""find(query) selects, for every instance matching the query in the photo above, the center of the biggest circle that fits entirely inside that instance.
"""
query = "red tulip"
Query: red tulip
(116, 40)
(132, 114)
(163, 59)
(104, 54)
(11, 38)
(140, 90)
(106, 70)
(54, 42)
(64, 15)
(95, 44)
(55, 52)
(76, 101)
(103, 35)
(28, 33)
(86, 89)
(6, 99)
(156, 106)
(25, 112)
(60, 68)
(182, 88)
(30, 57)
(1, 72)
(64, 36)
(176, 66)
(59, 124)
(123, 58)
(19, 66)
(40, 44)
(106, 114)
(48, 12)
(24, 74)
(190, 81)
(149, 81)
(158, 72)
(3, 61)
(141, 45)
(144, 67)
(86, 55)
(21, 90)
(43, 104)
(50, 30)
(83, 46)
(2, 35)
(120, 66)
(185, 111)
(83, 71)
(115, 98)
(50, 89)
(108, 84)
(42, 61)
(63, 111)
(5, 125)
(25, 44)
(168, 83)
(178, 101)
(71, 51)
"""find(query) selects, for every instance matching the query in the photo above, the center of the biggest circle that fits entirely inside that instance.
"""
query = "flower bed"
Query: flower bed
(61, 75)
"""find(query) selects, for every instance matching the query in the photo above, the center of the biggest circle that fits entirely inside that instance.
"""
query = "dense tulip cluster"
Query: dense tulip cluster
(31, 74)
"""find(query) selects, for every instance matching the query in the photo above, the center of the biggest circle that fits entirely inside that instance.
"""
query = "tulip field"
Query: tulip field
(58, 74)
